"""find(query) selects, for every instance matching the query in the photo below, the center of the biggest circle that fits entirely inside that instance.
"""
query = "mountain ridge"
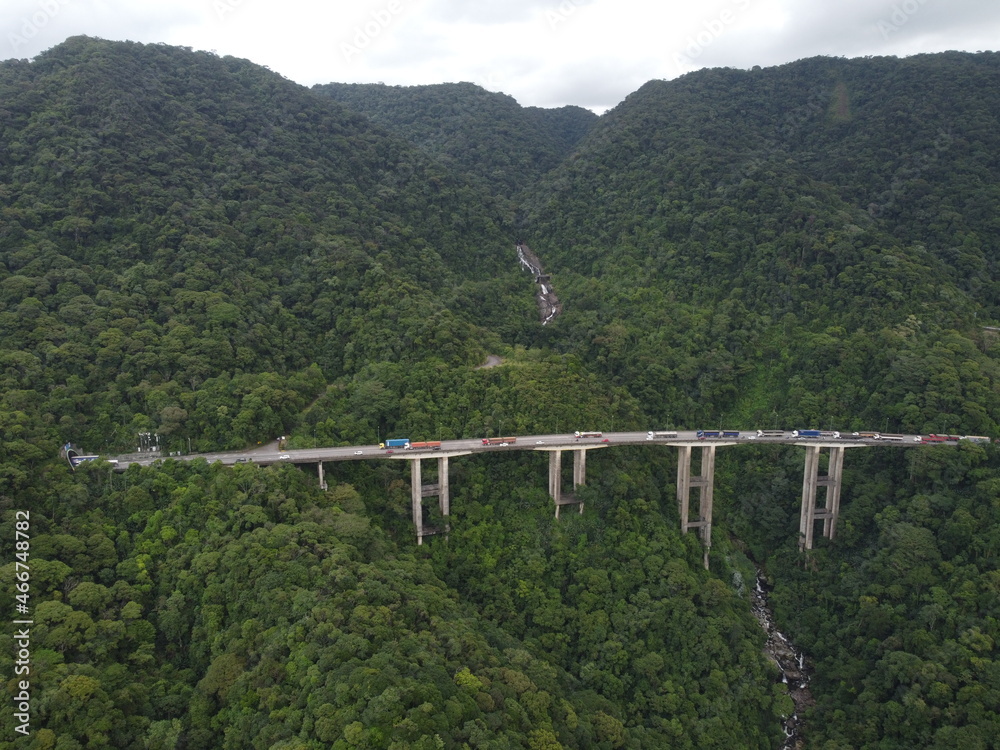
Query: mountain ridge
(195, 248)
(478, 132)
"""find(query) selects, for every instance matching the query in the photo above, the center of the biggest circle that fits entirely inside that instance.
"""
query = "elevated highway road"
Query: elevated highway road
(694, 489)
(545, 442)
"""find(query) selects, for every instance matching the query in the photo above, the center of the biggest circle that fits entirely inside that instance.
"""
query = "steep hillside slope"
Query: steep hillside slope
(811, 245)
(716, 249)
(173, 221)
(487, 136)
(197, 248)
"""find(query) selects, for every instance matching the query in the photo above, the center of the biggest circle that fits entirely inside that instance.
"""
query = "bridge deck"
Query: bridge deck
(547, 443)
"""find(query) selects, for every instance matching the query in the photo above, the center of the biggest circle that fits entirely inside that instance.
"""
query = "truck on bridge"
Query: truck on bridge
(430, 445)
(588, 434)
(499, 441)
(729, 434)
(395, 443)
(806, 434)
(770, 433)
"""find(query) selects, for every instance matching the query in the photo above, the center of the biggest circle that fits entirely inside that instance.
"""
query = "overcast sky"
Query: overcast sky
(545, 53)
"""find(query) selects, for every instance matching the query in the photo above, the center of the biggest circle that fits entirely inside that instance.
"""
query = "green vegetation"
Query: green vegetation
(487, 137)
(899, 613)
(194, 247)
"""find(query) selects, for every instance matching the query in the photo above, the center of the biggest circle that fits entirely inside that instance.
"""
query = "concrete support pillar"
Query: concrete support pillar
(419, 491)
(683, 484)
(811, 481)
(322, 480)
(705, 483)
(579, 471)
(555, 478)
(416, 495)
(833, 480)
(807, 515)
(444, 499)
(579, 468)
(706, 487)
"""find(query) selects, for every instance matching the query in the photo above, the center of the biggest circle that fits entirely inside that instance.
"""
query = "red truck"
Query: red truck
(430, 445)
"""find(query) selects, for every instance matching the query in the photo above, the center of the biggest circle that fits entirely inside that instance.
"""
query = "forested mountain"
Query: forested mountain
(722, 250)
(487, 136)
(195, 247)
(812, 245)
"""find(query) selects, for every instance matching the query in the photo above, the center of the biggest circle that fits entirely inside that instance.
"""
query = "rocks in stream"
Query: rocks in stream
(548, 304)
(792, 664)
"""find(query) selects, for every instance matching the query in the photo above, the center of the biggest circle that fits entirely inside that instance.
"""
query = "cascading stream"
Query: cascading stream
(548, 304)
(794, 671)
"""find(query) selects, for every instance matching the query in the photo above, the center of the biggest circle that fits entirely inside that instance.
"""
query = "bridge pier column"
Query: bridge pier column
(416, 498)
(683, 485)
(833, 481)
(555, 478)
(322, 481)
(806, 517)
(706, 487)
(811, 481)
(419, 491)
(579, 471)
(444, 497)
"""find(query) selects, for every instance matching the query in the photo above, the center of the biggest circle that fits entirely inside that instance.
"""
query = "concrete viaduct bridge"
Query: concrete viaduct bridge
(695, 510)
(695, 514)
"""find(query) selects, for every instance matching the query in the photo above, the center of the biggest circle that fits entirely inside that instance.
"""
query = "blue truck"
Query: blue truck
(806, 433)
(395, 443)
(702, 434)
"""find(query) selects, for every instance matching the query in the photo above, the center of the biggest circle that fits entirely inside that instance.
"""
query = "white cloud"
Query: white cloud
(542, 52)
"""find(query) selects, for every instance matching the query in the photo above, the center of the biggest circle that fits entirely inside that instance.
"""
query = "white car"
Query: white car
(284, 457)
(358, 453)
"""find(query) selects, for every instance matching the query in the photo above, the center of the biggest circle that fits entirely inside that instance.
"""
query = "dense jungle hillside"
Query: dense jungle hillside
(722, 246)
(195, 248)
(487, 136)
(812, 244)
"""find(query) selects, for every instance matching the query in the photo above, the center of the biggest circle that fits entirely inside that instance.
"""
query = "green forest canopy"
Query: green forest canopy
(195, 247)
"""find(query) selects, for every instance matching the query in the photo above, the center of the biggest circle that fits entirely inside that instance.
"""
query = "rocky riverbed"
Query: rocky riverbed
(791, 662)
(548, 304)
